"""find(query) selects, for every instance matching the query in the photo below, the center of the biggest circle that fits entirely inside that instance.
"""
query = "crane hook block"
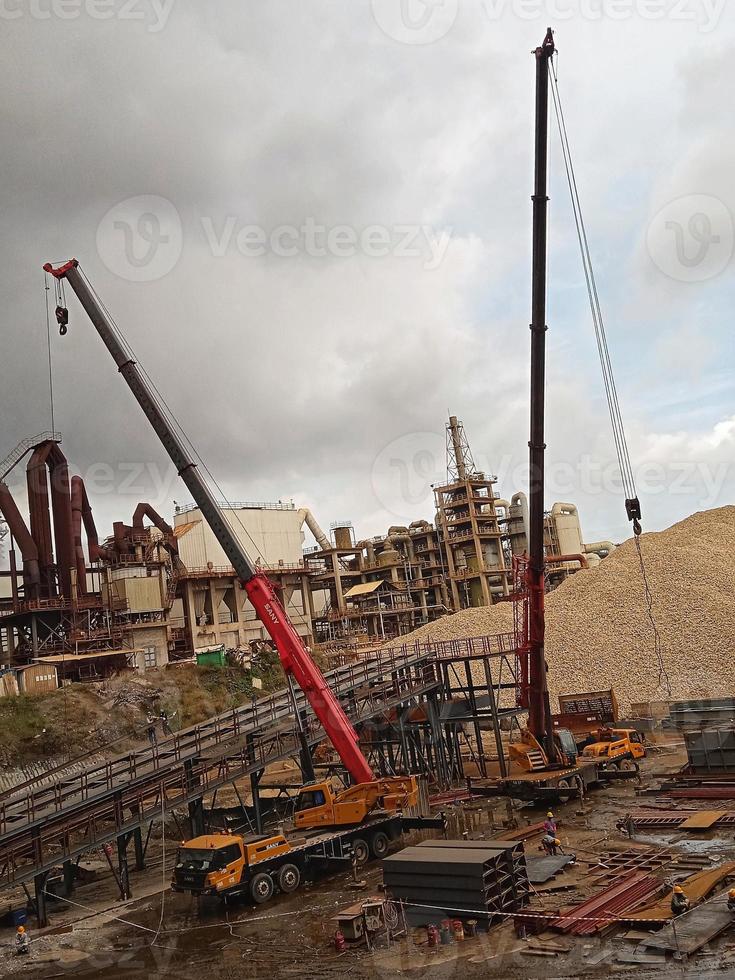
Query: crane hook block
(62, 318)
(633, 510)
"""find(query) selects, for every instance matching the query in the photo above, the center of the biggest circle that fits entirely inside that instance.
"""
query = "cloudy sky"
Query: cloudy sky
(312, 222)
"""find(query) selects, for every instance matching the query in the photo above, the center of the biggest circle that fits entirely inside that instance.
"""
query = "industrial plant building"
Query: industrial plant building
(152, 592)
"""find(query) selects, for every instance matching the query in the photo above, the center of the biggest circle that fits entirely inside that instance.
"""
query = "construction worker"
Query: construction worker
(151, 730)
(679, 901)
(731, 901)
(551, 844)
(550, 824)
(163, 718)
(22, 942)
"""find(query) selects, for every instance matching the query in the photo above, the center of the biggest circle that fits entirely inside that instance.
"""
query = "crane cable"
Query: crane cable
(632, 504)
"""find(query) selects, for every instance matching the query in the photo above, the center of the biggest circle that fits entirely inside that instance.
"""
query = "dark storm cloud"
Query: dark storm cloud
(293, 373)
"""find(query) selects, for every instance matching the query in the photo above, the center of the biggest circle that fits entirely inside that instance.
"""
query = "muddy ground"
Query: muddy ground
(163, 934)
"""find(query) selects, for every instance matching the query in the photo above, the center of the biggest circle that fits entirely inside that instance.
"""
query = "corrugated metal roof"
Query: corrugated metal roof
(367, 588)
(181, 529)
(72, 658)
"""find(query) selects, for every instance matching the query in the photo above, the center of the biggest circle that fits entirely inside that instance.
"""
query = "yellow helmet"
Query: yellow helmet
(550, 815)
(731, 893)
(21, 928)
(678, 890)
(557, 842)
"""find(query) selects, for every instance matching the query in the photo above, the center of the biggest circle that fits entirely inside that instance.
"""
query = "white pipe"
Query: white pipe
(595, 547)
(311, 522)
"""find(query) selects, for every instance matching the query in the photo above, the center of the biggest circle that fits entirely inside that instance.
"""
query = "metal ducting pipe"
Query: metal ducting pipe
(79, 497)
(401, 536)
(311, 522)
(145, 510)
(77, 506)
(24, 540)
(367, 545)
(559, 559)
(597, 546)
(559, 508)
(48, 455)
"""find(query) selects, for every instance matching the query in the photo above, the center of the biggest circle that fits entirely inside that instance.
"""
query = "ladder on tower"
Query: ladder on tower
(17, 454)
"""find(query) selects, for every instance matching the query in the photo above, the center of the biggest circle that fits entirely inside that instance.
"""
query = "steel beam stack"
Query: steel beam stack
(476, 879)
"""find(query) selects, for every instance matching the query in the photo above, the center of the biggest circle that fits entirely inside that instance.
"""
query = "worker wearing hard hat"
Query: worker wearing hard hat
(22, 942)
(551, 844)
(679, 901)
(550, 824)
(731, 901)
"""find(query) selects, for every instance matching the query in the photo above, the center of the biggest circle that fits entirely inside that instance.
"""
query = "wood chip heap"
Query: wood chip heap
(599, 635)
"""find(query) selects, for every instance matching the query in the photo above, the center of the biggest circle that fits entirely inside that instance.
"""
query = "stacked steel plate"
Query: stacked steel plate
(476, 879)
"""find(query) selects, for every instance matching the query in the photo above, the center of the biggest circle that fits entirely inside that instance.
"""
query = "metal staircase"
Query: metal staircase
(14, 457)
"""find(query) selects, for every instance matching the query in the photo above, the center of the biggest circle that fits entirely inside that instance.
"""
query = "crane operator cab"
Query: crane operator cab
(318, 805)
(529, 755)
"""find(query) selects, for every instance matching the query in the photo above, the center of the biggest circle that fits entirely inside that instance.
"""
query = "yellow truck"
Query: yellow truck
(616, 749)
(225, 865)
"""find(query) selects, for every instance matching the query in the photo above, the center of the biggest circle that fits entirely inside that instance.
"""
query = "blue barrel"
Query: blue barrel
(19, 917)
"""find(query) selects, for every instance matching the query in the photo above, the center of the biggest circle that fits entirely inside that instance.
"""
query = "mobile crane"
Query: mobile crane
(546, 762)
(318, 805)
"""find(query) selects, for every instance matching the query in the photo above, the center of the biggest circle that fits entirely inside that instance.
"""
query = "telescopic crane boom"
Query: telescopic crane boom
(294, 656)
(539, 713)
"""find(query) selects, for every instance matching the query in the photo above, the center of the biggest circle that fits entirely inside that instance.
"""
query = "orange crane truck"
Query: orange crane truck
(225, 865)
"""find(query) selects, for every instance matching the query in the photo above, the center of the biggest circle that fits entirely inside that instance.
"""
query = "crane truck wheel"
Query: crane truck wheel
(261, 888)
(629, 765)
(289, 878)
(612, 767)
(564, 790)
(379, 844)
(361, 851)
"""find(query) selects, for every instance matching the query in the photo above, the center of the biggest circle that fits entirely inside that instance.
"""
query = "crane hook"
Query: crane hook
(62, 318)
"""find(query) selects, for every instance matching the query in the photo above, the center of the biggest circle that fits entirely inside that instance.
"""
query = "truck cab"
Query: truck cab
(217, 863)
(616, 748)
(319, 806)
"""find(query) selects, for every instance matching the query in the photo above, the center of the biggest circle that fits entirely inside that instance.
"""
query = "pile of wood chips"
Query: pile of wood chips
(598, 631)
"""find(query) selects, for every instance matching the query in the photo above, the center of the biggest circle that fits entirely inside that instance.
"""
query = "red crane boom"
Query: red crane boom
(295, 658)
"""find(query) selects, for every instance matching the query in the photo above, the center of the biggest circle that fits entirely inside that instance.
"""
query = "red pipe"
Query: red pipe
(47, 455)
(145, 510)
(40, 515)
(24, 540)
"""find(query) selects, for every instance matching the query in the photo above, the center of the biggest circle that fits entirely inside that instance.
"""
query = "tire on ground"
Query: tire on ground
(361, 851)
(564, 790)
(261, 888)
(289, 878)
(379, 844)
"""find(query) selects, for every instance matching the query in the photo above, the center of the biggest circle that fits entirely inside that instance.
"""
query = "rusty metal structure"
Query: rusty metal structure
(66, 607)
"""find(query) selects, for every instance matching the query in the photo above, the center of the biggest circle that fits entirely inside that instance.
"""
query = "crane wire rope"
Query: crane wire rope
(616, 418)
(60, 301)
(48, 344)
(166, 411)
